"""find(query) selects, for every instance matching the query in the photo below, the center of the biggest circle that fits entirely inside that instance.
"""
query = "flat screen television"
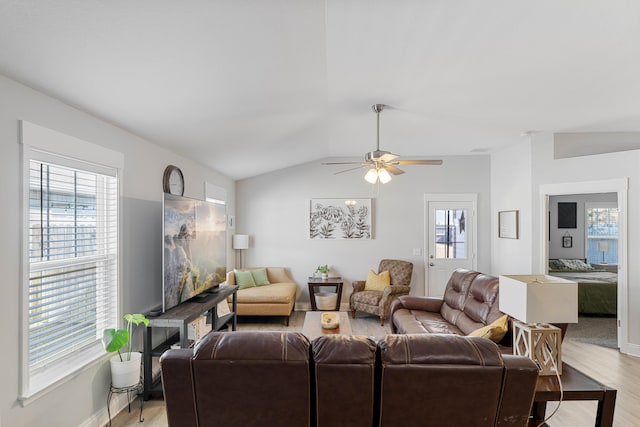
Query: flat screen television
(195, 248)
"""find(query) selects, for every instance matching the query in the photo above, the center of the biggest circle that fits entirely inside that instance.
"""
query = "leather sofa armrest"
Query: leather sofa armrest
(519, 386)
(431, 304)
(178, 386)
(358, 285)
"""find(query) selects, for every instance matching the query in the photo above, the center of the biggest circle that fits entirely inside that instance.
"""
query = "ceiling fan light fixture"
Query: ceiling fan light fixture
(384, 176)
(372, 176)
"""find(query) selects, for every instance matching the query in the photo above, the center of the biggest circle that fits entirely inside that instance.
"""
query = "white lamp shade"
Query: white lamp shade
(603, 246)
(384, 176)
(539, 298)
(240, 241)
(372, 176)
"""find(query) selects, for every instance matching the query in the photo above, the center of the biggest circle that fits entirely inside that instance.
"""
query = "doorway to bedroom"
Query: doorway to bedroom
(583, 247)
(577, 218)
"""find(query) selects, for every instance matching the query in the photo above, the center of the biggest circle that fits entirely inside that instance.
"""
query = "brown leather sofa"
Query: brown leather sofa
(279, 378)
(470, 302)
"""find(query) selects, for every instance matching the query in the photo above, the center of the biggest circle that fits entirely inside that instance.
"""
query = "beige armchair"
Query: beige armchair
(378, 302)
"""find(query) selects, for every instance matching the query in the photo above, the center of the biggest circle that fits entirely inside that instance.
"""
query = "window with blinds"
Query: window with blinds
(72, 261)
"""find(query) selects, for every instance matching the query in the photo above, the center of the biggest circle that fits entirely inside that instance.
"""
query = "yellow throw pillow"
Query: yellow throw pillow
(494, 331)
(377, 282)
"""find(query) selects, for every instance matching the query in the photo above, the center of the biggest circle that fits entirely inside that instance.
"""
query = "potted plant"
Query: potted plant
(125, 368)
(324, 271)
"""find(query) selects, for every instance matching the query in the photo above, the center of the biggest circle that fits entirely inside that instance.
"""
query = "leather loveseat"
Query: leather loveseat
(280, 378)
(470, 302)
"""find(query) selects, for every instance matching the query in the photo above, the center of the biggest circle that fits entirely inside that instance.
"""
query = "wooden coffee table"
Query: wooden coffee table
(576, 386)
(313, 329)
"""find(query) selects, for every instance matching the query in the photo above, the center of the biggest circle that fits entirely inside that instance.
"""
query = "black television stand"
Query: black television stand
(179, 317)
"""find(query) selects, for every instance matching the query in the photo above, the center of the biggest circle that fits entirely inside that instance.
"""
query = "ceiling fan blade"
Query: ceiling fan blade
(417, 162)
(392, 169)
(387, 157)
(352, 169)
(345, 163)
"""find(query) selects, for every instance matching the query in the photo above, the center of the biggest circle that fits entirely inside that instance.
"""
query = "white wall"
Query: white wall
(613, 166)
(578, 249)
(274, 210)
(511, 190)
(82, 399)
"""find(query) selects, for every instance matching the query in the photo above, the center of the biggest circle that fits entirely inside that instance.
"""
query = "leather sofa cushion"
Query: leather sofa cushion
(238, 379)
(455, 294)
(401, 349)
(344, 380)
(286, 346)
(458, 370)
(481, 307)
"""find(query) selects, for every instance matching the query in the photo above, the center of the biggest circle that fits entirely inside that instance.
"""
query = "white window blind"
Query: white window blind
(72, 267)
(70, 255)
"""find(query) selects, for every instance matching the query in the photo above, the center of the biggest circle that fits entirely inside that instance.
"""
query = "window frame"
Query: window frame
(587, 238)
(45, 145)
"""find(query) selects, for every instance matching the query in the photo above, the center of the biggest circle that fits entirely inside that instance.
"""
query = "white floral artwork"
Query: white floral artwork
(340, 219)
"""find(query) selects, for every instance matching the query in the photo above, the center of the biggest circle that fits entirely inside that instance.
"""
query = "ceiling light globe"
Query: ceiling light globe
(384, 176)
(372, 176)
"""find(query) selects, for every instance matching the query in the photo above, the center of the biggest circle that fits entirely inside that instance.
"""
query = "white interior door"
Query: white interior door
(450, 238)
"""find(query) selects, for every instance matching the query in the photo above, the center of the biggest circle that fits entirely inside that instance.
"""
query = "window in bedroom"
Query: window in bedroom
(71, 260)
(602, 233)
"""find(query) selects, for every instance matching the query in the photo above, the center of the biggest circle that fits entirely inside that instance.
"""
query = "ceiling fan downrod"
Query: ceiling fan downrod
(377, 108)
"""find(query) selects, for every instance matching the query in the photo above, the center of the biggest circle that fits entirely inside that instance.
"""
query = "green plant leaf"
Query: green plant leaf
(136, 319)
(113, 340)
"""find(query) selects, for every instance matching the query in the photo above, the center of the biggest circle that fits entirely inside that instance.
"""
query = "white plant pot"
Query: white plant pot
(326, 300)
(324, 276)
(125, 373)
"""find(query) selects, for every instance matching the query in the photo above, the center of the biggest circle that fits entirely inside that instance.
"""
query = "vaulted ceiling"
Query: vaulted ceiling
(250, 86)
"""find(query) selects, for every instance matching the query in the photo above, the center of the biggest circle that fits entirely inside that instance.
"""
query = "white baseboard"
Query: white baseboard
(631, 350)
(118, 403)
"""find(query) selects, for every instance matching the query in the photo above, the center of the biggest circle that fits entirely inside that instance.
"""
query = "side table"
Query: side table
(576, 385)
(335, 282)
(137, 388)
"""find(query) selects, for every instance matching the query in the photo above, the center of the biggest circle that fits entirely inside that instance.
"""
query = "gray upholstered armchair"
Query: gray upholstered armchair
(378, 302)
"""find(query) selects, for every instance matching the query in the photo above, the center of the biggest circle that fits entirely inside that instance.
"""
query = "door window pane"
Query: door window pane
(450, 233)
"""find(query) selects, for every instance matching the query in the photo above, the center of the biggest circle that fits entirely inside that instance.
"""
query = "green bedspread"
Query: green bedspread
(597, 291)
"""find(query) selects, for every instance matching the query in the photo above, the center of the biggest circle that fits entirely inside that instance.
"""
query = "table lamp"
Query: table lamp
(603, 247)
(240, 242)
(535, 301)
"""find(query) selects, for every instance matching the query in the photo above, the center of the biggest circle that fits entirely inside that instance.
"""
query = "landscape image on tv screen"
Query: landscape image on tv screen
(194, 248)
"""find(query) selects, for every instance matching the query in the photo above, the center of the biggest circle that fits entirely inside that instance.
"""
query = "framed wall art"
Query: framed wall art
(567, 214)
(508, 224)
(567, 241)
(340, 219)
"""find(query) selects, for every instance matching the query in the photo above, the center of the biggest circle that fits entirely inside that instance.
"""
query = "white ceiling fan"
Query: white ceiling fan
(382, 163)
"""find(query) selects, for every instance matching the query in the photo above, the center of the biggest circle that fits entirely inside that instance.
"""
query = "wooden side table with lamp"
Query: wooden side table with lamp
(535, 301)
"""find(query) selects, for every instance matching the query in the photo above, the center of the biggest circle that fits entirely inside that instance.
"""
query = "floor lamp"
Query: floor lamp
(240, 242)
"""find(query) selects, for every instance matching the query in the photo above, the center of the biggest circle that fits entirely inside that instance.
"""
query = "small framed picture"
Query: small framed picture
(567, 241)
(508, 224)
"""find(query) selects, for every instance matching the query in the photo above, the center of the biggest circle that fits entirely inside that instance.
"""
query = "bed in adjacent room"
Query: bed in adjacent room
(597, 288)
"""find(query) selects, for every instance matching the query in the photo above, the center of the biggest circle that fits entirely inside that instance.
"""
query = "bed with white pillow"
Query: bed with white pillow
(597, 288)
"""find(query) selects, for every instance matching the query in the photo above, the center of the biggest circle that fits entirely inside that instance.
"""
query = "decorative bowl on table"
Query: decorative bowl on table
(330, 320)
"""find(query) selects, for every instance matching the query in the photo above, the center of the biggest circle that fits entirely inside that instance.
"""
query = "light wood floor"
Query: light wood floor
(606, 365)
